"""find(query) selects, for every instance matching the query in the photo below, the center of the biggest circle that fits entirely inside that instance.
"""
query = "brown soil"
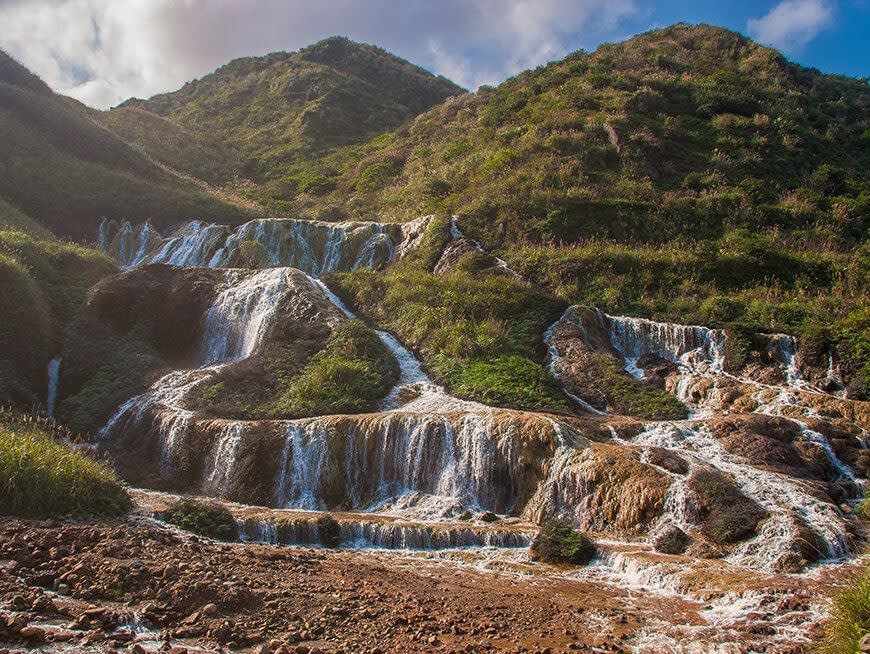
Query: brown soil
(201, 595)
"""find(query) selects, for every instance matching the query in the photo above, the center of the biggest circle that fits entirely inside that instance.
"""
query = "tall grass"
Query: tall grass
(849, 618)
(40, 476)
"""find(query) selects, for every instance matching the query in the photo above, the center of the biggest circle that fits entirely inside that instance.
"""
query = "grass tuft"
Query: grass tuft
(40, 476)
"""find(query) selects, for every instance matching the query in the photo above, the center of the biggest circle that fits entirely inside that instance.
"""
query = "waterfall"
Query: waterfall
(691, 348)
(312, 246)
(239, 318)
(233, 328)
(424, 465)
(53, 379)
(299, 483)
(190, 245)
(376, 534)
(221, 466)
(788, 502)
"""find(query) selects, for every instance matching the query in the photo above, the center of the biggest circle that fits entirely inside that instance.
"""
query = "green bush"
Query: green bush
(558, 541)
(349, 375)
(375, 176)
(849, 618)
(206, 519)
(41, 477)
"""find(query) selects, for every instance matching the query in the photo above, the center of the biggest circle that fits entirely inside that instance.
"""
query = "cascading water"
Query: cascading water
(378, 534)
(689, 347)
(788, 502)
(430, 465)
(233, 327)
(312, 246)
(219, 472)
(53, 381)
(239, 318)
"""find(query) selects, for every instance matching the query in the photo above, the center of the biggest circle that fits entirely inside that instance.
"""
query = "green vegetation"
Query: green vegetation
(729, 516)
(282, 111)
(102, 368)
(627, 395)
(348, 373)
(686, 174)
(42, 288)
(558, 541)
(40, 476)
(62, 169)
(479, 334)
(849, 619)
(329, 531)
(206, 519)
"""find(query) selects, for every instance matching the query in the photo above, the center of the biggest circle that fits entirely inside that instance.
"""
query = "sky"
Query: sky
(104, 51)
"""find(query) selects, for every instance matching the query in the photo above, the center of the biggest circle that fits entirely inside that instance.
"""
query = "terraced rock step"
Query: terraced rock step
(353, 530)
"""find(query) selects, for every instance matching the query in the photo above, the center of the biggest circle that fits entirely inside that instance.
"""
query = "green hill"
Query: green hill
(285, 107)
(60, 168)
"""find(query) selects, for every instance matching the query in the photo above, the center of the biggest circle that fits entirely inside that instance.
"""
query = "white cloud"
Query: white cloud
(104, 51)
(791, 24)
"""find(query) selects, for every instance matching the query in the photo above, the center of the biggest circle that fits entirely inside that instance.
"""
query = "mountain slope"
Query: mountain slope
(687, 174)
(285, 106)
(59, 167)
(694, 120)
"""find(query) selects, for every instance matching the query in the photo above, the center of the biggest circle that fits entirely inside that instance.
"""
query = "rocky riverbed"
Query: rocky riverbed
(141, 586)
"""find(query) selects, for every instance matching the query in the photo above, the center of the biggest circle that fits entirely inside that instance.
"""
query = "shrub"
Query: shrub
(349, 375)
(558, 541)
(329, 531)
(849, 618)
(41, 477)
(375, 176)
(206, 519)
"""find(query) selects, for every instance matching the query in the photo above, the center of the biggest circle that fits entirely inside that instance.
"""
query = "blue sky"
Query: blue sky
(104, 51)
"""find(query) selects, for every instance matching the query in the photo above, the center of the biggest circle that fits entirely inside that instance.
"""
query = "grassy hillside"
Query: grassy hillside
(675, 133)
(284, 107)
(65, 171)
(686, 174)
(42, 288)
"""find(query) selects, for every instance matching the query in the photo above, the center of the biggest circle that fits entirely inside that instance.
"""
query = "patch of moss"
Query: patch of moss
(631, 396)
(729, 516)
(351, 371)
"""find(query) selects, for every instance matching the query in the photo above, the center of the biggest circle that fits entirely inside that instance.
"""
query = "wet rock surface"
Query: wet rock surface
(138, 587)
(115, 582)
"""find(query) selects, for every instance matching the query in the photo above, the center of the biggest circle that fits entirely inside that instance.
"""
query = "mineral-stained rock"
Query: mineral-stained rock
(728, 515)
(672, 541)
